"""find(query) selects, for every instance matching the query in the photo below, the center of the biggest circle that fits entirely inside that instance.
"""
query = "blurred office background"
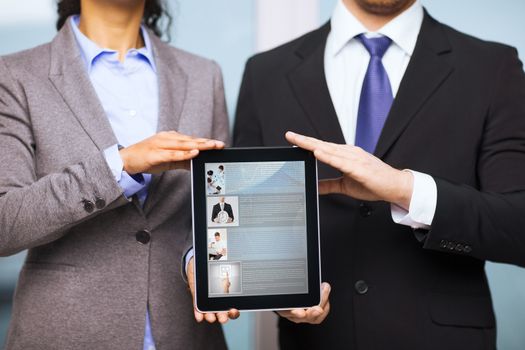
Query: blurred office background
(231, 31)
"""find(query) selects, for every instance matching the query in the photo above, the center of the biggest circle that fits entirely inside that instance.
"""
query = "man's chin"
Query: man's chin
(384, 7)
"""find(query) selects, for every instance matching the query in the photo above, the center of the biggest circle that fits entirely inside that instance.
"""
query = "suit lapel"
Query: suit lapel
(427, 70)
(68, 75)
(308, 82)
(172, 81)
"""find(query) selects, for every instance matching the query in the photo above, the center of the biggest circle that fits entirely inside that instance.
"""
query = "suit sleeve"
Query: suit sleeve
(35, 211)
(214, 212)
(247, 128)
(230, 212)
(489, 222)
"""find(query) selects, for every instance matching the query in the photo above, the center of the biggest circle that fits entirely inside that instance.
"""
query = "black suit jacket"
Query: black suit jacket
(459, 116)
(217, 208)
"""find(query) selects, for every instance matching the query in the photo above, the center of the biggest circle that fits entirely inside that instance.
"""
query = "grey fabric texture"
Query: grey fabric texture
(86, 281)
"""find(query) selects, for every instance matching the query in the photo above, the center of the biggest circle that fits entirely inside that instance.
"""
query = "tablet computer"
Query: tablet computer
(255, 229)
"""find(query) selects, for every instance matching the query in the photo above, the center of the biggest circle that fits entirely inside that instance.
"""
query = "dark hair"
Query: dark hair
(154, 13)
(217, 234)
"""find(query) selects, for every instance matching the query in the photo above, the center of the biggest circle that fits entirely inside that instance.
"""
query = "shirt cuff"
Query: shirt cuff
(129, 185)
(187, 258)
(422, 204)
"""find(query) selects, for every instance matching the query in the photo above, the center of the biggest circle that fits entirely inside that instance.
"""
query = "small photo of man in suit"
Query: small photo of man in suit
(223, 211)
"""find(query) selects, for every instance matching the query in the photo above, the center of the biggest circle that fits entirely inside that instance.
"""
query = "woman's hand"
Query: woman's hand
(164, 151)
(210, 317)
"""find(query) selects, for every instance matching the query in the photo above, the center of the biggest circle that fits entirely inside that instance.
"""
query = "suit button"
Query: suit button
(143, 237)
(459, 247)
(443, 244)
(88, 206)
(467, 249)
(365, 210)
(100, 203)
(361, 287)
(451, 246)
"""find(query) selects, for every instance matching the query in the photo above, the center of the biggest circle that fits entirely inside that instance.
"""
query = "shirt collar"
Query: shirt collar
(403, 29)
(90, 51)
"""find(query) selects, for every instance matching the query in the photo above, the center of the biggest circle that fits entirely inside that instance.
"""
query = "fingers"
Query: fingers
(175, 141)
(325, 294)
(221, 317)
(210, 317)
(337, 156)
(234, 314)
(198, 316)
(330, 186)
(308, 143)
(313, 315)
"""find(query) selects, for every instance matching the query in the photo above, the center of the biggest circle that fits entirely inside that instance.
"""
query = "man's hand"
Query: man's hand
(222, 317)
(164, 151)
(313, 315)
(365, 176)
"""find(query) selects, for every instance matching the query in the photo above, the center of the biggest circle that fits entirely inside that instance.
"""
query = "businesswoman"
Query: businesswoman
(93, 146)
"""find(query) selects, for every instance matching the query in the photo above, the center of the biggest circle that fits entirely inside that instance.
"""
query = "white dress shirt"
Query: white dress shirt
(346, 63)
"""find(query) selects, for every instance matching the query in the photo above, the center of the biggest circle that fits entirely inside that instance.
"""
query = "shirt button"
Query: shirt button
(361, 287)
(88, 206)
(132, 112)
(143, 237)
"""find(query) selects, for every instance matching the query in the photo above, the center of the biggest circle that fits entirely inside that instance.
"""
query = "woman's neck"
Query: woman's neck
(112, 25)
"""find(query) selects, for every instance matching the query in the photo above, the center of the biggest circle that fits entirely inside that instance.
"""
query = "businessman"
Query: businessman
(222, 212)
(427, 125)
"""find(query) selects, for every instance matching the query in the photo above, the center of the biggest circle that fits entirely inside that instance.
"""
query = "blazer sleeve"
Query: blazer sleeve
(247, 127)
(489, 222)
(35, 211)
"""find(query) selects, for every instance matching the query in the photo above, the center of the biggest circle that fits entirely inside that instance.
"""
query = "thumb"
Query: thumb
(330, 186)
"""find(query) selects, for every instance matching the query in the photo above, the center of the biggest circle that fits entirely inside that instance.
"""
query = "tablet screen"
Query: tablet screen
(256, 228)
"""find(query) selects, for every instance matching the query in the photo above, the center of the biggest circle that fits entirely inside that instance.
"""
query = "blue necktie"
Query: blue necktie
(376, 95)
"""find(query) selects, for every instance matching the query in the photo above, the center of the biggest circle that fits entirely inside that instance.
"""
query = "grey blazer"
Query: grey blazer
(87, 279)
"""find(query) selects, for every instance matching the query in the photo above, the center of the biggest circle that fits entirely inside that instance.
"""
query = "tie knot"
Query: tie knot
(375, 46)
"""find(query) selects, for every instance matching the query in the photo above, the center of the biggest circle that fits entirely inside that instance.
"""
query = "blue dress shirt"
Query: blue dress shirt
(128, 92)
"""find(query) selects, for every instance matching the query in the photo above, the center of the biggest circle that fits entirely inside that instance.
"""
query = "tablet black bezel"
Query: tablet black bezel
(264, 302)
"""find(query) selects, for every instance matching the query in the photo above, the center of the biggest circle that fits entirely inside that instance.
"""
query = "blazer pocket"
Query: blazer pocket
(45, 266)
(462, 311)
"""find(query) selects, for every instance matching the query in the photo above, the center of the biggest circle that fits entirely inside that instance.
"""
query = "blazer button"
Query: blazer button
(459, 247)
(88, 206)
(100, 203)
(361, 287)
(467, 249)
(143, 237)
(451, 246)
(365, 210)
(443, 244)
